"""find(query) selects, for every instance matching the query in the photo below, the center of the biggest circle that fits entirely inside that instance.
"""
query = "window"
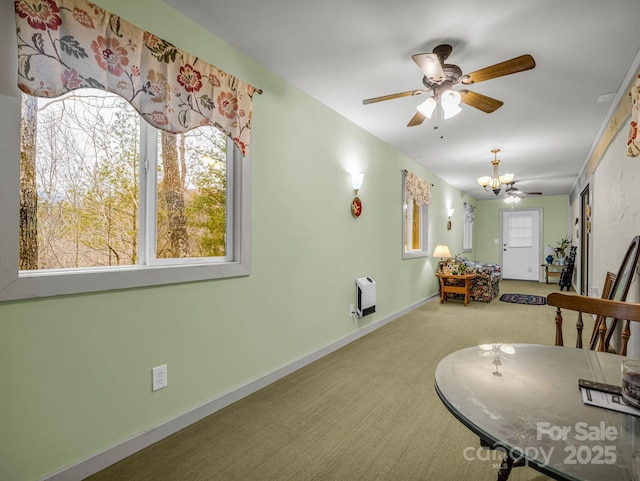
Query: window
(107, 201)
(467, 228)
(416, 193)
(520, 231)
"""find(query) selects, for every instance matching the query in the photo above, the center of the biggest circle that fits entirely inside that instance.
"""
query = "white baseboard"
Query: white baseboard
(106, 458)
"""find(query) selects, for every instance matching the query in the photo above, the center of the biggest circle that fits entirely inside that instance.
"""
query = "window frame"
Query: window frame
(16, 284)
(424, 227)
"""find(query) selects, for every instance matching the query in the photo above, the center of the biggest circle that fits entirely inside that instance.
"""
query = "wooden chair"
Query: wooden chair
(603, 308)
(609, 281)
(611, 305)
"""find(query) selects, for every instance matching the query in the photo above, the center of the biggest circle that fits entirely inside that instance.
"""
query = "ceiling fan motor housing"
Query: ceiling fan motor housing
(453, 74)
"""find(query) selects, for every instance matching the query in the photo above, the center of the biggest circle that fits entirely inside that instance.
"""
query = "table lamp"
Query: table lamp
(549, 252)
(442, 251)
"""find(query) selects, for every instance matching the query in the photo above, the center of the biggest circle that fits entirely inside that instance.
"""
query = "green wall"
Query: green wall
(555, 211)
(76, 369)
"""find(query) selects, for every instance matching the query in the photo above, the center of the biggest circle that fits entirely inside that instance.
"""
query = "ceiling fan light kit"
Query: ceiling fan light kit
(440, 78)
(449, 102)
(427, 107)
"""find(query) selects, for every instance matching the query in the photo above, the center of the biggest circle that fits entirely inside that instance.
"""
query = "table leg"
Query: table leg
(546, 275)
(466, 291)
(508, 463)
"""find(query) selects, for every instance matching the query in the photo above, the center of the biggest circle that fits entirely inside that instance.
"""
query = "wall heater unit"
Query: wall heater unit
(366, 296)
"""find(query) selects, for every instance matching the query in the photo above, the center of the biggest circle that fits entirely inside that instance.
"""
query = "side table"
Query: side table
(551, 273)
(446, 287)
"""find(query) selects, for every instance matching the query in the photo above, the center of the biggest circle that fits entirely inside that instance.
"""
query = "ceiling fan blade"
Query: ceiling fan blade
(521, 193)
(417, 119)
(392, 96)
(515, 65)
(479, 101)
(430, 66)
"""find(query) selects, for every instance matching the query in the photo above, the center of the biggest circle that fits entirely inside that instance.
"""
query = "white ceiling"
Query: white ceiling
(343, 51)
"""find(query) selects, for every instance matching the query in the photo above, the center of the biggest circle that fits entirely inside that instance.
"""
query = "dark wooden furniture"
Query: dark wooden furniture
(567, 271)
(446, 287)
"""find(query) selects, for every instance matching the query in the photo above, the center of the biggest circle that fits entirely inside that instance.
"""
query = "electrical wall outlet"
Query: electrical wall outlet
(352, 310)
(159, 377)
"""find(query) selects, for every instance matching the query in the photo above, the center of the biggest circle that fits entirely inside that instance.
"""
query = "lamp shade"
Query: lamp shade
(549, 251)
(450, 101)
(506, 178)
(427, 107)
(441, 251)
(484, 181)
(356, 180)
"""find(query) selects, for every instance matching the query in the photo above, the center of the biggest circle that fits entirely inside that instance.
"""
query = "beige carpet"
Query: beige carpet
(367, 412)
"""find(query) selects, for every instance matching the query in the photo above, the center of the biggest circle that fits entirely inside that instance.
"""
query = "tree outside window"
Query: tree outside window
(85, 162)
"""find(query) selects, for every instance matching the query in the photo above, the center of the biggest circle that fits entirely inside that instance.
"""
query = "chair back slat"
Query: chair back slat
(605, 308)
(609, 280)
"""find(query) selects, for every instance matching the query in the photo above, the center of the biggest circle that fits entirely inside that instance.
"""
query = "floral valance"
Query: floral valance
(469, 213)
(64, 45)
(417, 189)
(633, 144)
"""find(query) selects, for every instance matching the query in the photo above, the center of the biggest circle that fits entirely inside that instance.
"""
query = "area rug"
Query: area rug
(524, 299)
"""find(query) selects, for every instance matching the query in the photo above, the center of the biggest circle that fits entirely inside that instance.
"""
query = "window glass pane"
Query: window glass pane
(415, 227)
(79, 183)
(191, 211)
(521, 231)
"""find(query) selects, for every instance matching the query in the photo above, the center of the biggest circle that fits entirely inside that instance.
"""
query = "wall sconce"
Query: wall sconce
(356, 203)
(450, 214)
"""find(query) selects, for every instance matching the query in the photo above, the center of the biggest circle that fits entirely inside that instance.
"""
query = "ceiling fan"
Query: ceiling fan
(513, 195)
(440, 78)
(512, 190)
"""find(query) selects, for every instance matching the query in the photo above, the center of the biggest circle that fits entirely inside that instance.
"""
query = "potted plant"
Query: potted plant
(560, 250)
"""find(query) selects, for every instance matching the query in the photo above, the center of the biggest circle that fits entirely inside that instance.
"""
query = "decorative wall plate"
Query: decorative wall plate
(356, 207)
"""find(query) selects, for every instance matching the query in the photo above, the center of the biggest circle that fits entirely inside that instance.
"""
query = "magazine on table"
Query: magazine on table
(607, 401)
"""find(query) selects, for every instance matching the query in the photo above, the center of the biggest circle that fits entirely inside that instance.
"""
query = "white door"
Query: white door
(521, 244)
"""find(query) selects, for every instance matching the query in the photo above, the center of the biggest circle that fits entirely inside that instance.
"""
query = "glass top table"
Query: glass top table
(524, 399)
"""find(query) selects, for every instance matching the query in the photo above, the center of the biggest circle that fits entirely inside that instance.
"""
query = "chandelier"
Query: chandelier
(496, 182)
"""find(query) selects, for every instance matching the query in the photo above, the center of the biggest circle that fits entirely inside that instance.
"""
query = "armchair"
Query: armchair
(485, 286)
